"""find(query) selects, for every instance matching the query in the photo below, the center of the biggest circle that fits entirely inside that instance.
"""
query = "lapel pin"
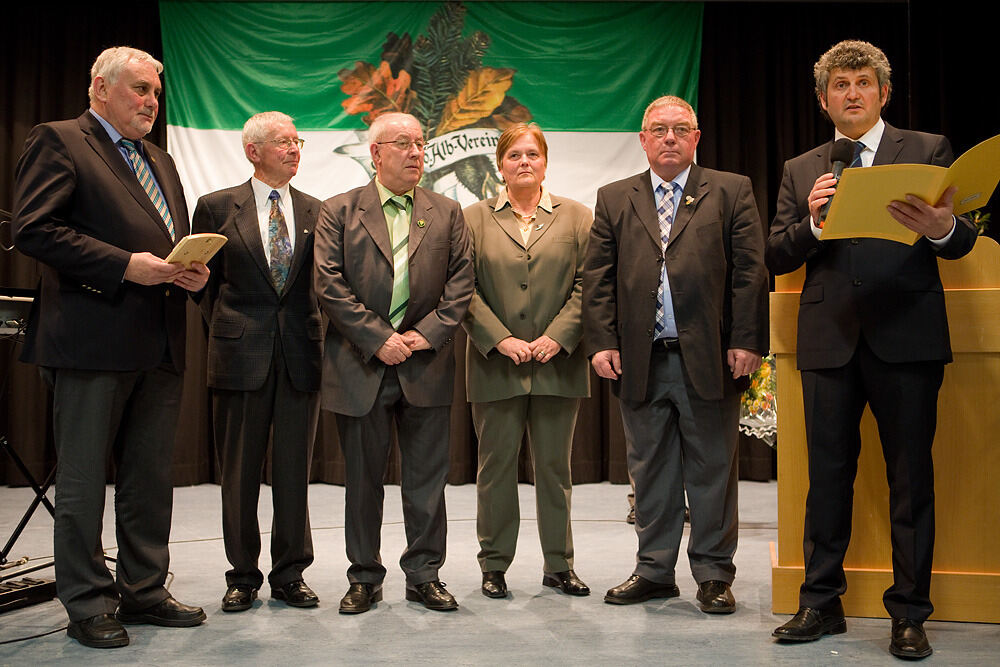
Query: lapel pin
(539, 227)
(688, 200)
(421, 223)
(306, 231)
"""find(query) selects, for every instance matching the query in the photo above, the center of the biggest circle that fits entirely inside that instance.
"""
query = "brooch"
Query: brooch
(688, 200)
(421, 223)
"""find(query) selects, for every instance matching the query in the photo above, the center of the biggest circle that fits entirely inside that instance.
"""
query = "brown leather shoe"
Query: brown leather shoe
(101, 631)
(239, 597)
(716, 597)
(810, 624)
(909, 641)
(169, 613)
(360, 598)
(295, 594)
(567, 582)
(636, 589)
(494, 584)
(432, 595)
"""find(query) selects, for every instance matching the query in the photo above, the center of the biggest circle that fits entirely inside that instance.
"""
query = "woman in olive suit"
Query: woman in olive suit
(526, 370)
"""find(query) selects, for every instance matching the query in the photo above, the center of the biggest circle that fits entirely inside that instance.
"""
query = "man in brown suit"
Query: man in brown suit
(265, 347)
(675, 312)
(393, 272)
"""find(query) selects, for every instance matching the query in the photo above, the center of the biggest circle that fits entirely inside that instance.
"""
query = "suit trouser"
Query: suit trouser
(500, 427)
(676, 441)
(244, 423)
(134, 414)
(422, 433)
(903, 399)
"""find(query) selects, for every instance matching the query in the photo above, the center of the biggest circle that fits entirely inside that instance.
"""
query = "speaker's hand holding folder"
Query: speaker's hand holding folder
(860, 209)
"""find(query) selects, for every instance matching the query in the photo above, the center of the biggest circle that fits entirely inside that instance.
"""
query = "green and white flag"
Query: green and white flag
(583, 72)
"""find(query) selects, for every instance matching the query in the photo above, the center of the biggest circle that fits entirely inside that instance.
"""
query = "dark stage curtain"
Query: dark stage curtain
(756, 109)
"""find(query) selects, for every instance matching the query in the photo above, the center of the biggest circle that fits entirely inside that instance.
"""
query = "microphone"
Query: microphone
(841, 155)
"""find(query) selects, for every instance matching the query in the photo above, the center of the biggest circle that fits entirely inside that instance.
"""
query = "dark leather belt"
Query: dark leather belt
(664, 344)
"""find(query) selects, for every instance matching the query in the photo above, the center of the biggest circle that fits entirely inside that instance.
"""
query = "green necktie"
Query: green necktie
(399, 235)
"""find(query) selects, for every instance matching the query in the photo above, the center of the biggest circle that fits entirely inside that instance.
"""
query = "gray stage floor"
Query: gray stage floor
(536, 626)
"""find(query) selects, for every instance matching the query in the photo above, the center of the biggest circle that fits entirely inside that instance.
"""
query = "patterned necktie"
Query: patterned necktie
(665, 213)
(858, 148)
(149, 185)
(279, 243)
(399, 236)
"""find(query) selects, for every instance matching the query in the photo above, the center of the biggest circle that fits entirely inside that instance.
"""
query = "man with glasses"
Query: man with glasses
(394, 275)
(264, 360)
(675, 314)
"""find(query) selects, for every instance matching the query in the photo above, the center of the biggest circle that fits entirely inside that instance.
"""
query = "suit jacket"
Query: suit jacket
(715, 267)
(525, 292)
(353, 282)
(80, 211)
(890, 292)
(243, 309)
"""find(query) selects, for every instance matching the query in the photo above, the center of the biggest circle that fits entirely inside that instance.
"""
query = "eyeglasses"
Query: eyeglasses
(680, 131)
(404, 144)
(285, 144)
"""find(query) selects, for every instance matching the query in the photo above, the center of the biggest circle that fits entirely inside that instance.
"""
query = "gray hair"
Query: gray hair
(669, 101)
(377, 129)
(111, 62)
(852, 54)
(258, 126)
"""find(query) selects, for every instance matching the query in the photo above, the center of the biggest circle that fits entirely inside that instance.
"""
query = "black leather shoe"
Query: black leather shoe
(101, 631)
(239, 597)
(630, 517)
(909, 640)
(360, 598)
(567, 582)
(636, 589)
(432, 595)
(170, 614)
(810, 624)
(494, 585)
(716, 597)
(295, 594)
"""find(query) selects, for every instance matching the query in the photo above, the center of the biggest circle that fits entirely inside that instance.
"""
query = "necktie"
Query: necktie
(279, 243)
(399, 236)
(665, 213)
(858, 148)
(149, 185)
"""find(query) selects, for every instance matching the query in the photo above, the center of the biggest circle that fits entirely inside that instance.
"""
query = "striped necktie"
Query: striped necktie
(399, 236)
(149, 185)
(665, 214)
(858, 148)
(279, 243)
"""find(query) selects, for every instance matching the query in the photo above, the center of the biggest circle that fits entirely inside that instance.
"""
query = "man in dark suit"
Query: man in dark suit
(675, 313)
(394, 275)
(265, 347)
(872, 330)
(100, 208)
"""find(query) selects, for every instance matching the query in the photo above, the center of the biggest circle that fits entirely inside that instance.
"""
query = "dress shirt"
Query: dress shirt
(261, 197)
(677, 186)
(116, 138)
(385, 194)
(544, 203)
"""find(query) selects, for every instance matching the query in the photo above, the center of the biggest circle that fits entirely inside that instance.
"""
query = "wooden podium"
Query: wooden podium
(965, 585)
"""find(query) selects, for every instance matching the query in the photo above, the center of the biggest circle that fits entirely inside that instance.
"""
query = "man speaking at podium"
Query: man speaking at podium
(872, 330)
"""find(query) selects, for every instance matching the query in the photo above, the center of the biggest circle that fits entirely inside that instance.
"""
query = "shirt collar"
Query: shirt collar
(871, 139)
(545, 203)
(680, 179)
(262, 191)
(115, 135)
(385, 194)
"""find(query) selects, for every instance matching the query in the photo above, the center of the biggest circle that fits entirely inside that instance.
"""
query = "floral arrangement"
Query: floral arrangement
(759, 404)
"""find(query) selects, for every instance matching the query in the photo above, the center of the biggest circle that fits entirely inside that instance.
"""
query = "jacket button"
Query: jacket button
(854, 242)
(524, 285)
(857, 282)
(523, 316)
(528, 256)
(652, 293)
(166, 292)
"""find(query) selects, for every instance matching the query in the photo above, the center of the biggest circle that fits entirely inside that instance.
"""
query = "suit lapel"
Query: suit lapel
(694, 190)
(889, 147)
(543, 222)
(303, 211)
(373, 220)
(505, 220)
(174, 198)
(420, 220)
(644, 206)
(101, 143)
(248, 227)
